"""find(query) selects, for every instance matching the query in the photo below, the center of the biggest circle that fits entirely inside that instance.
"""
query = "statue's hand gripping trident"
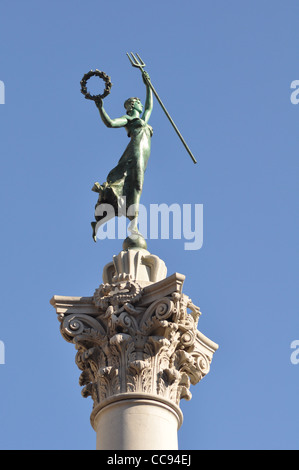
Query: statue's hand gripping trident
(138, 63)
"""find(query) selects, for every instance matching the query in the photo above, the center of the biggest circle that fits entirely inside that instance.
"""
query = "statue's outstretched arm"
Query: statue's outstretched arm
(118, 122)
(148, 106)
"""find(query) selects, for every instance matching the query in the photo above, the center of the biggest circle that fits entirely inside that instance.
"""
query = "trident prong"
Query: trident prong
(140, 60)
(138, 63)
(135, 62)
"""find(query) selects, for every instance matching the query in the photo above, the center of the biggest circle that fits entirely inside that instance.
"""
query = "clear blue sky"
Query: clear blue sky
(224, 70)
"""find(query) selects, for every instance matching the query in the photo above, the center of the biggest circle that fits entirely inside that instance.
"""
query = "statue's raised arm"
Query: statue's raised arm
(118, 122)
(139, 64)
(148, 107)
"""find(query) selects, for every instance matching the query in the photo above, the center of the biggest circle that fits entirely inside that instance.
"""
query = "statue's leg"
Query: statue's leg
(135, 184)
(94, 234)
(136, 179)
(104, 211)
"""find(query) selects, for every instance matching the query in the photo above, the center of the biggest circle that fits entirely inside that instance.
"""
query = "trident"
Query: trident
(140, 65)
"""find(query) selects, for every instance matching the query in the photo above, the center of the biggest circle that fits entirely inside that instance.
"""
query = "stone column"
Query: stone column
(139, 349)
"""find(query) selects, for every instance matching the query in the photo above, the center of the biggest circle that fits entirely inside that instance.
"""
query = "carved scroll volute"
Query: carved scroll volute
(157, 316)
(80, 324)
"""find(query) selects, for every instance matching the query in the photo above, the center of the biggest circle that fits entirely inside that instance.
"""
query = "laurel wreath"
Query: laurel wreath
(99, 74)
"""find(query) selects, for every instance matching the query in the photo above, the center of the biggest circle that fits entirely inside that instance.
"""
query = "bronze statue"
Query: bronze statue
(126, 179)
(124, 184)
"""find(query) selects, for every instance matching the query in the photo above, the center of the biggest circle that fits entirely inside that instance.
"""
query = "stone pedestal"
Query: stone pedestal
(139, 349)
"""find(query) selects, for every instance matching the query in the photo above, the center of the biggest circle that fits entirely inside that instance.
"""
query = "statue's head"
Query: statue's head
(133, 103)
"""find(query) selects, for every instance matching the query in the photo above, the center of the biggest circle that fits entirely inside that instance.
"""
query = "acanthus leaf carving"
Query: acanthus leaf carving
(138, 343)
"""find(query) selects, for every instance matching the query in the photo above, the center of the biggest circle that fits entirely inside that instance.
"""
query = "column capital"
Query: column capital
(136, 337)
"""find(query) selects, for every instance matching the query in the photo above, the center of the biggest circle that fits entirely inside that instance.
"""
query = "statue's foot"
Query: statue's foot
(96, 187)
(133, 228)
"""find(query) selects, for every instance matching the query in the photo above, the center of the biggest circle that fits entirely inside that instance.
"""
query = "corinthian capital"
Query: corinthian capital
(136, 336)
